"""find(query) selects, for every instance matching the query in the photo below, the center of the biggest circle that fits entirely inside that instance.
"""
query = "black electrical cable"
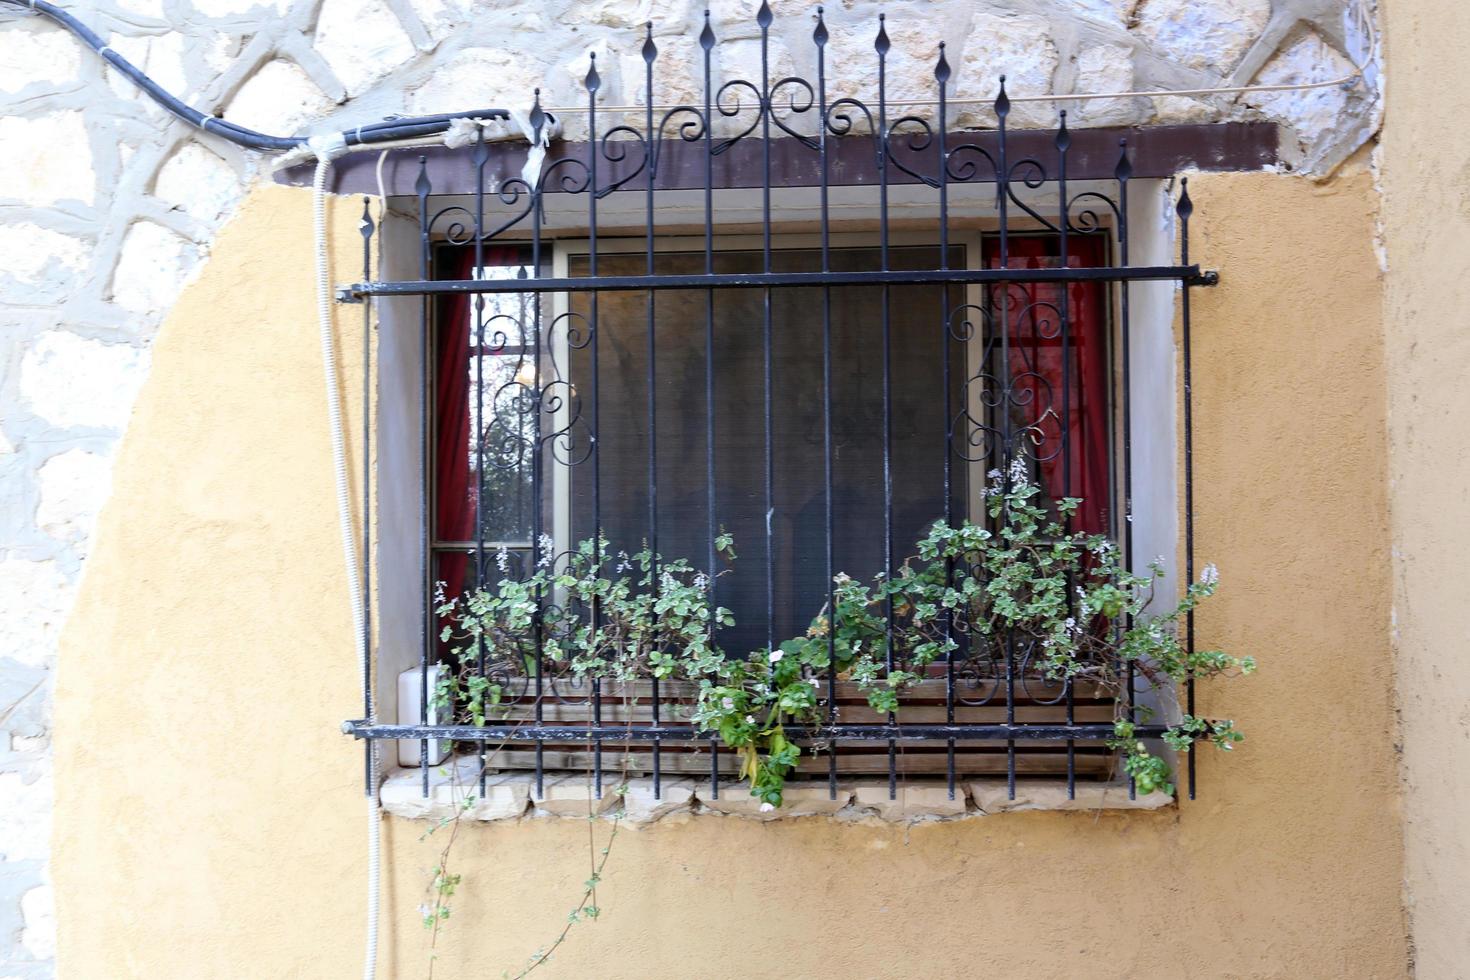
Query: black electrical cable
(380, 132)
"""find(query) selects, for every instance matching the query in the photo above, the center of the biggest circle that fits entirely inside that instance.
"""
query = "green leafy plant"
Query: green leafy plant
(1020, 582)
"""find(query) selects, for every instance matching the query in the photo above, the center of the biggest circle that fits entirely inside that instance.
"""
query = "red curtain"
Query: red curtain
(455, 488)
(1036, 365)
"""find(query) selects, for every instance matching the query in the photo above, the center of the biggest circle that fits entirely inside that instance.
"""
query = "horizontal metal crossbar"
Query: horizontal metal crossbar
(429, 287)
(528, 732)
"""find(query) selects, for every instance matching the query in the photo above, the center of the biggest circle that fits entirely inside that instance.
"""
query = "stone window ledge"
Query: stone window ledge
(512, 797)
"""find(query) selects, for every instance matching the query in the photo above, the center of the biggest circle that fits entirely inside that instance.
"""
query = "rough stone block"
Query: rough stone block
(798, 801)
(73, 486)
(1198, 35)
(73, 381)
(278, 99)
(478, 77)
(38, 912)
(36, 54)
(1309, 111)
(153, 264)
(1107, 68)
(48, 158)
(25, 816)
(44, 593)
(990, 796)
(640, 806)
(198, 183)
(568, 796)
(44, 260)
(362, 41)
(454, 788)
(914, 801)
(1018, 46)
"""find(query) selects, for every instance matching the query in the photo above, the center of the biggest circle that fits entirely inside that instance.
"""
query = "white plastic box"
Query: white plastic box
(410, 688)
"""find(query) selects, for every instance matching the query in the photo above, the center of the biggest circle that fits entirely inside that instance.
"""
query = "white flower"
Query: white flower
(502, 560)
(1018, 471)
(701, 581)
(994, 475)
(729, 703)
(767, 808)
(750, 719)
(776, 656)
(1210, 575)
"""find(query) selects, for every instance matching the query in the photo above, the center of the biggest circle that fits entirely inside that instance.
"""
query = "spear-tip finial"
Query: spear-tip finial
(882, 44)
(1002, 101)
(1124, 170)
(941, 68)
(650, 50)
(707, 36)
(594, 80)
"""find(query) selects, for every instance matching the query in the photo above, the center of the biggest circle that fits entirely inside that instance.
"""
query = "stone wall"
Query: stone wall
(108, 206)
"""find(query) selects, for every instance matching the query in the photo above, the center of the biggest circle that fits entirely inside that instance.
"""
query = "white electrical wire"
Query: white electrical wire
(349, 541)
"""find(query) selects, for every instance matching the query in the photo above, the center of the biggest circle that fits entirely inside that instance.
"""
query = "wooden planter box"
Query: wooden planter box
(1037, 701)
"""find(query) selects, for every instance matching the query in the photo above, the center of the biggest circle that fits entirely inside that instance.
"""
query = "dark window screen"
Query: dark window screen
(799, 512)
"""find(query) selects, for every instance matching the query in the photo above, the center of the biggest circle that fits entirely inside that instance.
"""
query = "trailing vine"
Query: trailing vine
(1023, 581)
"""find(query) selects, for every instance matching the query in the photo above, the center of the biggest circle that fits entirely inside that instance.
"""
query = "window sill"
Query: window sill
(512, 797)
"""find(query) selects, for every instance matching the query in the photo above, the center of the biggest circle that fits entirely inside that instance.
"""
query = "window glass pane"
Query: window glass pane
(483, 395)
(799, 512)
(1056, 358)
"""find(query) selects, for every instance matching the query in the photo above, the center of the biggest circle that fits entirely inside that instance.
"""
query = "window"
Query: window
(691, 462)
(653, 483)
(683, 329)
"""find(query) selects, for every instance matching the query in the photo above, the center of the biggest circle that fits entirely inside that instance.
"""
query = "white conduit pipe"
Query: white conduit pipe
(349, 541)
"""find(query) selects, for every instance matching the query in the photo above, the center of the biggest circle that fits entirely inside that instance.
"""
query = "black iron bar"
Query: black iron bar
(707, 43)
(650, 54)
(477, 357)
(941, 77)
(593, 84)
(422, 187)
(775, 280)
(1184, 210)
(763, 18)
(1063, 143)
(1124, 171)
(1004, 380)
(881, 46)
(689, 733)
(820, 38)
(540, 553)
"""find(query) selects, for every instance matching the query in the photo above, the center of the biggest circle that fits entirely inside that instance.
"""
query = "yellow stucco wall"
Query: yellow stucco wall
(210, 818)
(1425, 156)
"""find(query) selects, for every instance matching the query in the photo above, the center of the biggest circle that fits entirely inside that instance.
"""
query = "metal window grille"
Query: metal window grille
(542, 329)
